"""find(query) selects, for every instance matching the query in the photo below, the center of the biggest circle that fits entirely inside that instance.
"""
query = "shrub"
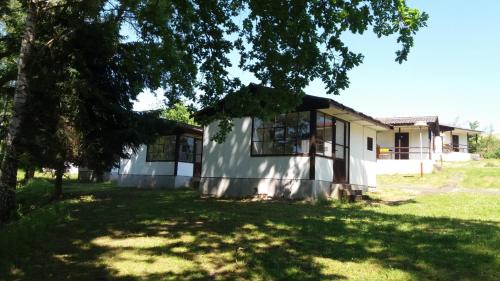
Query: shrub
(37, 192)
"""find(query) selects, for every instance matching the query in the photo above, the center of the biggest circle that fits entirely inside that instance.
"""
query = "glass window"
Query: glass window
(162, 149)
(340, 132)
(285, 134)
(186, 149)
(369, 144)
(324, 134)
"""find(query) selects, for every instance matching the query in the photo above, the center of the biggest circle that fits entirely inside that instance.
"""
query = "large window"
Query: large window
(162, 149)
(285, 134)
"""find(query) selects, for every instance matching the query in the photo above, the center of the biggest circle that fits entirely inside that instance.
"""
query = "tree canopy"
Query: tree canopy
(179, 112)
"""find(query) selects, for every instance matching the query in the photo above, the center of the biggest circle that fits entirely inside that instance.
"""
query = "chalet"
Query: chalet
(305, 154)
(420, 141)
(172, 160)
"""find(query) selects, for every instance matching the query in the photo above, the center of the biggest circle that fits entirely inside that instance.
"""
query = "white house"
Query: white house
(298, 155)
(172, 160)
(415, 143)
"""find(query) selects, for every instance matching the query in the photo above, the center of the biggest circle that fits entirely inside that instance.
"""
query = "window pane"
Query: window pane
(286, 134)
(257, 129)
(339, 152)
(292, 119)
(162, 149)
(339, 132)
(279, 134)
(279, 148)
(304, 124)
(290, 146)
(328, 149)
(320, 137)
(303, 132)
(320, 120)
(328, 133)
(328, 121)
(186, 149)
(280, 120)
(369, 144)
(303, 146)
(257, 147)
(320, 147)
(267, 147)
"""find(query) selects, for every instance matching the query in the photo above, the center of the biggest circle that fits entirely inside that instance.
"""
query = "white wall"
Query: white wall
(137, 165)
(185, 169)
(323, 169)
(363, 163)
(389, 167)
(232, 158)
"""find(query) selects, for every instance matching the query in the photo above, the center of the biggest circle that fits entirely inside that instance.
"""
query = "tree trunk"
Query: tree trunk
(97, 176)
(58, 184)
(29, 174)
(9, 162)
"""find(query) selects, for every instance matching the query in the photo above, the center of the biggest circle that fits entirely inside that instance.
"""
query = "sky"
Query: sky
(453, 70)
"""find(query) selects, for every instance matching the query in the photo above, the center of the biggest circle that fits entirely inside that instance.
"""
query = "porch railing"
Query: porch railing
(448, 148)
(402, 153)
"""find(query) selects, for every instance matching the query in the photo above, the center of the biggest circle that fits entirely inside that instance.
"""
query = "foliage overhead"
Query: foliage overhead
(179, 112)
(183, 46)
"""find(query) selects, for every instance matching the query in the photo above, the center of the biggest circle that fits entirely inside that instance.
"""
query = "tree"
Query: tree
(474, 125)
(183, 47)
(179, 112)
(8, 166)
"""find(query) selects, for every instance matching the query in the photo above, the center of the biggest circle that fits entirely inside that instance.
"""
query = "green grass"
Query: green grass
(471, 174)
(100, 232)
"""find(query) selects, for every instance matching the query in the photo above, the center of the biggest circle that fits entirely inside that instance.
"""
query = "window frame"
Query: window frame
(334, 134)
(285, 128)
(161, 160)
(369, 143)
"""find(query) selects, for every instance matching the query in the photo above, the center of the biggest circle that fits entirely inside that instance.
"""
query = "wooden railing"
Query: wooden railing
(448, 148)
(402, 153)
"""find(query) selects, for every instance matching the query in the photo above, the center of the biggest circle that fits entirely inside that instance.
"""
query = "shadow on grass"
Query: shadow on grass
(117, 234)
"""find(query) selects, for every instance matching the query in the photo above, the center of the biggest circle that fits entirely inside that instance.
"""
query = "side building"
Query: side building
(415, 143)
(172, 160)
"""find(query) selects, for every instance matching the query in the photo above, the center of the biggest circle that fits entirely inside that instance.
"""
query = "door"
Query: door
(455, 143)
(401, 144)
(198, 146)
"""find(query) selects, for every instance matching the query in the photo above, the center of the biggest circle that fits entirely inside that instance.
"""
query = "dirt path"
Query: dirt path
(450, 189)
(410, 193)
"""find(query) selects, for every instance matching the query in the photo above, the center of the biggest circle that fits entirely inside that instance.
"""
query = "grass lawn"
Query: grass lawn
(471, 174)
(104, 233)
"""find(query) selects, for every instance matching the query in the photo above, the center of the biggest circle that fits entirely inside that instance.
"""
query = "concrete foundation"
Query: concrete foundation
(390, 167)
(295, 189)
(157, 181)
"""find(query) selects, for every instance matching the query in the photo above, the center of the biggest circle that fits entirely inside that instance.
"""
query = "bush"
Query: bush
(37, 192)
(489, 147)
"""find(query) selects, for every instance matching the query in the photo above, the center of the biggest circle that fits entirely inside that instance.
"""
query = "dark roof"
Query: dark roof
(446, 128)
(314, 102)
(397, 121)
(309, 102)
(166, 126)
(188, 128)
